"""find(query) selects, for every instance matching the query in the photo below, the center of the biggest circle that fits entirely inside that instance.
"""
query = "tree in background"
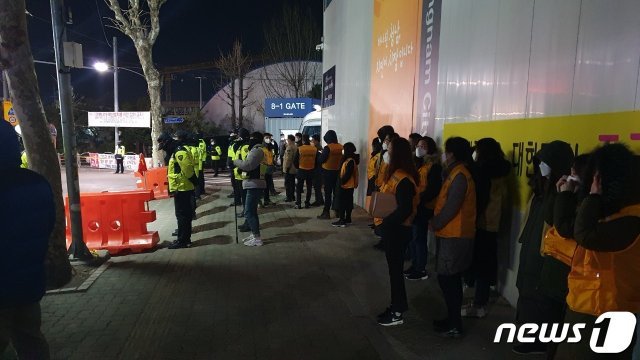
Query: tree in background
(16, 59)
(290, 41)
(142, 25)
(234, 67)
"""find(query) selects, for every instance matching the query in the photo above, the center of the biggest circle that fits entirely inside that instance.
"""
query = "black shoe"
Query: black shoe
(529, 349)
(231, 196)
(297, 207)
(215, 175)
(324, 216)
(175, 233)
(383, 314)
(307, 205)
(179, 245)
(454, 333)
(339, 223)
(240, 216)
(274, 193)
(243, 228)
(409, 271)
(416, 276)
(391, 319)
(347, 220)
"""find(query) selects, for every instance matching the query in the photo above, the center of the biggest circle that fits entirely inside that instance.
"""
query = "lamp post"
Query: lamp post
(200, 78)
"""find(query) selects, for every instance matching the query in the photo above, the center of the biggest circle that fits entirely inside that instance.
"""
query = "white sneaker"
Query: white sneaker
(248, 238)
(256, 241)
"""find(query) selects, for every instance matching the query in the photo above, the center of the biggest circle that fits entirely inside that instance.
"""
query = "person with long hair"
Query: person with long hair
(605, 268)
(401, 179)
(491, 193)
(430, 171)
(454, 223)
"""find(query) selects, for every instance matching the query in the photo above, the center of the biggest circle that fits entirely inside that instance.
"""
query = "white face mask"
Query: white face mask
(420, 152)
(475, 156)
(342, 152)
(443, 158)
(386, 158)
(545, 170)
(384, 146)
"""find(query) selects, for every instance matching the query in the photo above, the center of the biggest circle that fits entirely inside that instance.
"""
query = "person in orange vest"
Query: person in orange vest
(330, 160)
(305, 162)
(430, 171)
(348, 183)
(454, 223)
(401, 180)
(492, 170)
(605, 268)
(372, 165)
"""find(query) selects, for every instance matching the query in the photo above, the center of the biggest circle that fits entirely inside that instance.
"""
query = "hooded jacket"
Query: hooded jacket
(24, 239)
(253, 160)
(330, 137)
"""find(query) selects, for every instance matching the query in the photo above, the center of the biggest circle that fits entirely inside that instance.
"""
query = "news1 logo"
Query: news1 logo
(612, 332)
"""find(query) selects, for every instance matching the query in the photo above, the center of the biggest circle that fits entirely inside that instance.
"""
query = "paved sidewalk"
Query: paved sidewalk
(312, 292)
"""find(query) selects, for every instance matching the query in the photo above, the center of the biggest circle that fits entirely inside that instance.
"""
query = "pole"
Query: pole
(116, 105)
(200, 78)
(78, 248)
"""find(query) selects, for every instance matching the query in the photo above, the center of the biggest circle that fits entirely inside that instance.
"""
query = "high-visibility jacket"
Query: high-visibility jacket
(372, 166)
(382, 171)
(25, 162)
(268, 156)
(335, 155)
(217, 151)
(352, 183)
(121, 150)
(558, 247)
(231, 154)
(391, 186)
(606, 281)
(202, 146)
(463, 225)
(241, 154)
(424, 171)
(195, 156)
(181, 169)
(307, 154)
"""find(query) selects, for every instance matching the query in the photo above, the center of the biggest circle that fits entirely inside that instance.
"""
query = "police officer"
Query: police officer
(202, 147)
(215, 152)
(120, 159)
(240, 146)
(182, 181)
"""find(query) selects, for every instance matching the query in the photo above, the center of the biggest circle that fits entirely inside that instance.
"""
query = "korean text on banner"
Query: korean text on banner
(136, 119)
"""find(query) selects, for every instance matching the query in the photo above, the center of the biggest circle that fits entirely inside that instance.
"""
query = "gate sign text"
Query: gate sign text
(287, 107)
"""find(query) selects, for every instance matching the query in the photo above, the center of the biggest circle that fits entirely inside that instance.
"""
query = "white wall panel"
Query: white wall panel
(553, 57)
(607, 58)
(347, 45)
(512, 59)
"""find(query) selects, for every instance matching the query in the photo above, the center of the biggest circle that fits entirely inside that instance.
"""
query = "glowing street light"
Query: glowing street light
(101, 66)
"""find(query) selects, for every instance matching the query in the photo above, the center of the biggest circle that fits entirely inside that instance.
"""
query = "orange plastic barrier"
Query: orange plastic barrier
(154, 179)
(116, 221)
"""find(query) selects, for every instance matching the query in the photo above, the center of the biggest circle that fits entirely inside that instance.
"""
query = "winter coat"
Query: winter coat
(491, 187)
(253, 160)
(287, 163)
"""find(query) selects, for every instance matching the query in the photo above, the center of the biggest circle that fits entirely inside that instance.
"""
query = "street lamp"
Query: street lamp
(101, 66)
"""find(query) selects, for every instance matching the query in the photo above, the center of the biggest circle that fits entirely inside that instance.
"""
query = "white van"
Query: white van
(312, 122)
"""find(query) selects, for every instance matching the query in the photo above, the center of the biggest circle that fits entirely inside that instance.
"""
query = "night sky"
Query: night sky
(191, 31)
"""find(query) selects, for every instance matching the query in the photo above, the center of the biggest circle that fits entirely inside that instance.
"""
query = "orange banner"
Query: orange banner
(393, 64)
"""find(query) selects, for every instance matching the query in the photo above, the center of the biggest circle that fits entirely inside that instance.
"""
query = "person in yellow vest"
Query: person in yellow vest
(240, 148)
(605, 268)
(216, 153)
(492, 171)
(317, 173)
(401, 180)
(24, 161)
(383, 164)
(430, 171)
(330, 160)
(305, 162)
(289, 168)
(202, 147)
(192, 145)
(454, 223)
(182, 182)
(120, 159)
(373, 164)
(348, 183)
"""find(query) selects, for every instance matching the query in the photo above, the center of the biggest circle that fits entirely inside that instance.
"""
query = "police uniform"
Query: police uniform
(216, 152)
(181, 183)
(120, 160)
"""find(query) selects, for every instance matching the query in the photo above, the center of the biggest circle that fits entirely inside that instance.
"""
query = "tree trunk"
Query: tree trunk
(233, 104)
(240, 99)
(43, 159)
(154, 87)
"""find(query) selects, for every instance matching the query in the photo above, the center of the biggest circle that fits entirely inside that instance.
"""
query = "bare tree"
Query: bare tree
(16, 59)
(142, 25)
(234, 67)
(290, 46)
